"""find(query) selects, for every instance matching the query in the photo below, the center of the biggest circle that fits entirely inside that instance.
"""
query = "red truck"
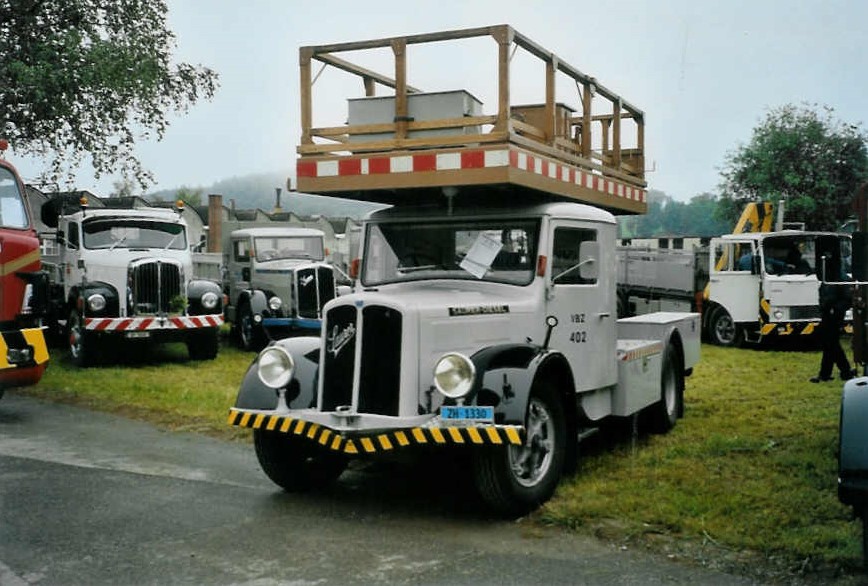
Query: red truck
(23, 286)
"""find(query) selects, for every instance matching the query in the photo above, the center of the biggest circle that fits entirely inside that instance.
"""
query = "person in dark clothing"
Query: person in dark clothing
(835, 300)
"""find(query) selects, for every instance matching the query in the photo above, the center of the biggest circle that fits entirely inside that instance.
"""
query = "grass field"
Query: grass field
(747, 478)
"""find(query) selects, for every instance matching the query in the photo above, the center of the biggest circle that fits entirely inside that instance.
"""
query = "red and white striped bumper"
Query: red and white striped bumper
(139, 324)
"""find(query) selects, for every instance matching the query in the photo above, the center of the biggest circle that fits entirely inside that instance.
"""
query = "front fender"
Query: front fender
(196, 289)
(301, 391)
(853, 444)
(504, 377)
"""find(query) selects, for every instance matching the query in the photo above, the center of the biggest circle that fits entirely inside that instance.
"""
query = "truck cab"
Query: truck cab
(278, 282)
(765, 284)
(23, 287)
(126, 275)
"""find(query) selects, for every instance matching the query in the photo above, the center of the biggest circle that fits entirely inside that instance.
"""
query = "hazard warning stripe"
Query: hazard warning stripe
(379, 442)
(512, 157)
(131, 324)
(32, 337)
(768, 328)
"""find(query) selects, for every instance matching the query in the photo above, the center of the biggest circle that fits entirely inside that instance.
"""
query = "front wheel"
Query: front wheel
(81, 343)
(203, 345)
(249, 333)
(514, 480)
(294, 464)
(723, 330)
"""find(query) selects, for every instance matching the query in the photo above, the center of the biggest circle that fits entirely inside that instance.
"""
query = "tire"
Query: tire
(513, 480)
(82, 347)
(250, 336)
(723, 331)
(665, 413)
(203, 345)
(296, 465)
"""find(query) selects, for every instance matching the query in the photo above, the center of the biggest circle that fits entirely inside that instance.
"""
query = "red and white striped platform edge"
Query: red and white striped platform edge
(513, 157)
(137, 324)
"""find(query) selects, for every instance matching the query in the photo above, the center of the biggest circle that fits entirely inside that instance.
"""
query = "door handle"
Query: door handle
(604, 314)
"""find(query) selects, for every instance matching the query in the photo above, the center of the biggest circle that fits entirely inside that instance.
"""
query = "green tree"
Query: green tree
(191, 196)
(804, 156)
(84, 79)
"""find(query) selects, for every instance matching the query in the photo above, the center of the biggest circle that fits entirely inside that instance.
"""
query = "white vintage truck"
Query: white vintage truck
(277, 282)
(483, 316)
(126, 275)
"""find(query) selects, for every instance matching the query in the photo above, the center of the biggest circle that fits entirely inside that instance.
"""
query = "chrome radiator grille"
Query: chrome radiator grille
(379, 333)
(315, 286)
(151, 287)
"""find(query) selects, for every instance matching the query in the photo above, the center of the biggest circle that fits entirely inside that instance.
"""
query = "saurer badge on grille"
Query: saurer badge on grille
(337, 338)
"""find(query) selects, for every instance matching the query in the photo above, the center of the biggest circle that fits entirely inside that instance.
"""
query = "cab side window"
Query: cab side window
(565, 255)
(241, 250)
(72, 239)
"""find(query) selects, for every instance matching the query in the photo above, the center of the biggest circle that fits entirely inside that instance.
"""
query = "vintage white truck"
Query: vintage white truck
(126, 275)
(277, 282)
(483, 316)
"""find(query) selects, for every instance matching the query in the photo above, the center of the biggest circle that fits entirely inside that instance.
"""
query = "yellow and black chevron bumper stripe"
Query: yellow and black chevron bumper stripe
(20, 339)
(485, 434)
(799, 328)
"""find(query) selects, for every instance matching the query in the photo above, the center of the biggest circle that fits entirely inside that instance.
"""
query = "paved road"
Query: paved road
(89, 498)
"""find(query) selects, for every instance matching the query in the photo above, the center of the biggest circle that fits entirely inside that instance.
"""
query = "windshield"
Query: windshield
(502, 251)
(804, 254)
(280, 247)
(13, 214)
(114, 233)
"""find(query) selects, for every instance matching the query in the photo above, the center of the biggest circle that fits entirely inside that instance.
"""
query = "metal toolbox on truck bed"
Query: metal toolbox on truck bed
(659, 325)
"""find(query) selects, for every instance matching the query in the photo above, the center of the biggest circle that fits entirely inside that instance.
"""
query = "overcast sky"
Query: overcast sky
(704, 72)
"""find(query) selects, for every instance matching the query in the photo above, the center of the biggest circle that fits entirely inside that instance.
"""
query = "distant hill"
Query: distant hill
(258, 191)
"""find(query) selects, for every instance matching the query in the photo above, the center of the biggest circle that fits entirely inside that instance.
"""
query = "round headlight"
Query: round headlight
(779, 314)
(275, 303)
(209, 300)
(96, 302)
(275, 367)
(453, 375)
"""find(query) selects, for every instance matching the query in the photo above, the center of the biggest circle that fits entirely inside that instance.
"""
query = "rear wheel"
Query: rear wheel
(294, 464)
(723, 330)
(513, 480)
(664, 413)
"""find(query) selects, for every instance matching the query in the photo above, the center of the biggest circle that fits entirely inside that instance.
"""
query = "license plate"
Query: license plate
(138, 334)
(463, 414)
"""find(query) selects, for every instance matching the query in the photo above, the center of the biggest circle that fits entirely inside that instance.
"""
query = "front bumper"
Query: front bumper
(292, 323)
(23, 357)
(433, 433)
(145, 324)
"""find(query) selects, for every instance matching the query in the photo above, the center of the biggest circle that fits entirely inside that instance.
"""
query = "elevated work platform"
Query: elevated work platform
(411, 145)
